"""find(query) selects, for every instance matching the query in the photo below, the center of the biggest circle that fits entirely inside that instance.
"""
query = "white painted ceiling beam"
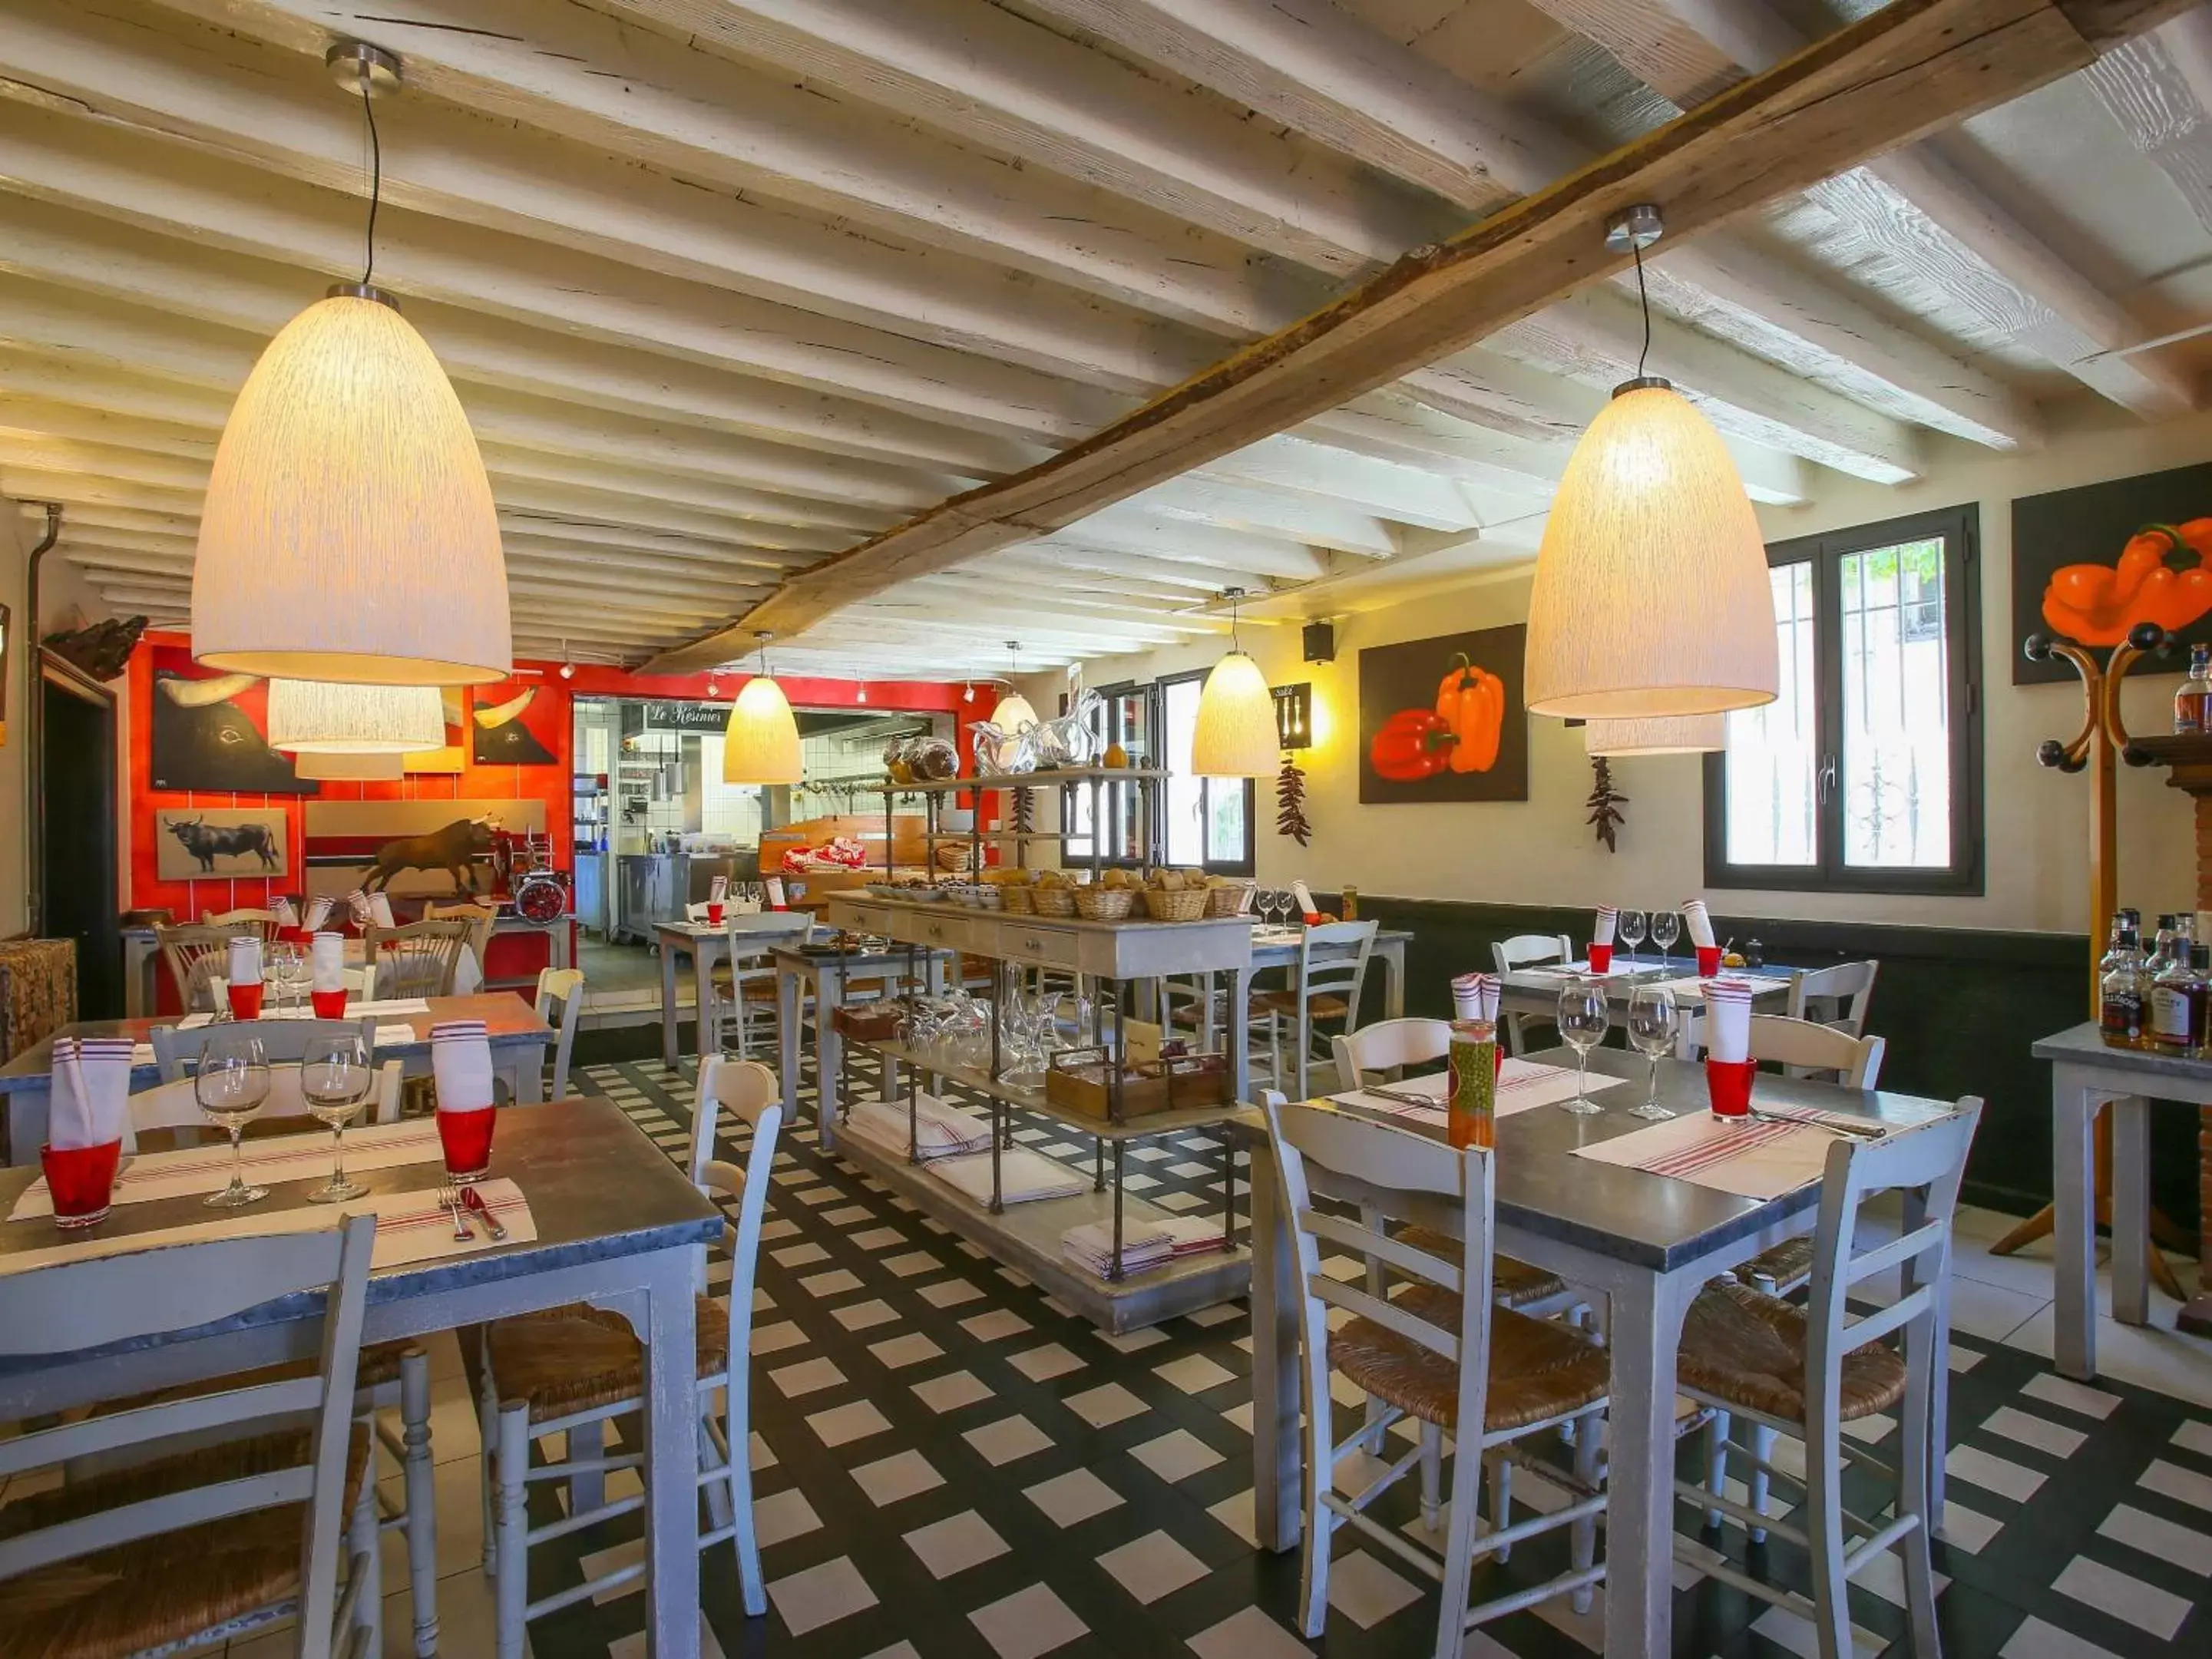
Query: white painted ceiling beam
(625, 88)
(171, 79)
(1202, 498)
(2157, 89)
(1301, 466)
(2059, 309)
(1065, 551)
(994, 594)
(1129, 527)
(617, 538)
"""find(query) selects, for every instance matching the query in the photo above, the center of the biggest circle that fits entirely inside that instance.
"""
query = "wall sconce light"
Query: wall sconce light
(1294, 714)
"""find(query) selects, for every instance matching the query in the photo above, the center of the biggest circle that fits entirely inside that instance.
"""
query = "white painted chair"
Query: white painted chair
(573, 1369)
(265, 921)
(1803, 1049)
(1836, 996)
(421, 959)
(1448, 1360)
(182, 1547)
(393, 1376)
(560, 1001)
(1324, 985)
(177, 1048)
(1806, 1372)
(1527, 950)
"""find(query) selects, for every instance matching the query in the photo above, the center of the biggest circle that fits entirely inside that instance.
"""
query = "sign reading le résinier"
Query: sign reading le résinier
(688, 716)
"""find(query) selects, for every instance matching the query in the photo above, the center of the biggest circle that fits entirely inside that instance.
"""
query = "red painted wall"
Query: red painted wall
(548, 784)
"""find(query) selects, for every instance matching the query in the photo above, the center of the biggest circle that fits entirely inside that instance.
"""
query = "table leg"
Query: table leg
(1644, 1328)
(668, 1055)
(1278, 1498)
(787, 1036)
(1939, 1401)
(27, 1123)
(2131, 1240)
(709, 1027)
(1393, 979)
(828, 1047)
(525, 1073)
(2074, 1331)
(1239, 1060)
(671, 1420)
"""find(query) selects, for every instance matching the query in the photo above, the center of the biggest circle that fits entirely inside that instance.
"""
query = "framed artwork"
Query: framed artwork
(451, 757)
(210, 731)
(2089, 564)
(1444, 719)
(514, 723)
(417, 848)
(211, 844)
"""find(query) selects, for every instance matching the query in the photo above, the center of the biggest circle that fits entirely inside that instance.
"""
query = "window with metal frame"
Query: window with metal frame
(1865, 773)
(1204, 823)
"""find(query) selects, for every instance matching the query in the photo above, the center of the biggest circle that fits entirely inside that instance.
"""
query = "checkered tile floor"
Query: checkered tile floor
(951, 1464)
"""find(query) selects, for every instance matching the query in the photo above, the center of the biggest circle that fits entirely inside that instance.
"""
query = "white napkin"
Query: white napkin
(1306, 908)
(1728, 1020)
(460, 1062)
(1601, 933)
(326, 956)
(775, 900)
(718, 890)
(1700, 924)
(1474, 996)
(318, 911)
(286, 914)
(88, 1103)
(245, 967)
(379, 910)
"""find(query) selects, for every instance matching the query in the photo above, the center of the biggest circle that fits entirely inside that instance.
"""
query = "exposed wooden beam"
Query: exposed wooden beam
(2158, 88)
(1915, 65)
(1231, 504)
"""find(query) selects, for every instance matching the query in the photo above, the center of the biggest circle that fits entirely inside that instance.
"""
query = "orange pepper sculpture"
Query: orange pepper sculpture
(2098, 603)
(1472, 701)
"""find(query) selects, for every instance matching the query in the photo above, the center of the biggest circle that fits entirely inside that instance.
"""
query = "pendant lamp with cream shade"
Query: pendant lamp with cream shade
(1013, 712)
(1235, 734)
(760, 745)
(348, 532)
(313, 717)
(350, 768)
(1663, 734)
(1652, 595)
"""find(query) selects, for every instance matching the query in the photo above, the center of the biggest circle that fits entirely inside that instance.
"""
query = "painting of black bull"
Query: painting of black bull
(454, 850)
(208, 844)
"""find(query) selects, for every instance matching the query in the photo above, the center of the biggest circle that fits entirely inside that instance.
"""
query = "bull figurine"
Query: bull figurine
(207, 844)
(456, 849)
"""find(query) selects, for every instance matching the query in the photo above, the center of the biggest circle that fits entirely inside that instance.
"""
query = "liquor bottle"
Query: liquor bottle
(2192, 703)
(2161, 956)
(2120, 996)
(2200, 967)
(2176, 1005)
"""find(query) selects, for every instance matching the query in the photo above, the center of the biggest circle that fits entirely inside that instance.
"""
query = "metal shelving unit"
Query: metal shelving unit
(1067, 779)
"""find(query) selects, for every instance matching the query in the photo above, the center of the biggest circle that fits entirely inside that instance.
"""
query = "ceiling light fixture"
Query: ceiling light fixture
(1652, 595)
(315, 717)
(1013, 712)
(348, 532)
(350, 768)
(1665, 734)
(1235, 734)
(760, 745)
(568, 664)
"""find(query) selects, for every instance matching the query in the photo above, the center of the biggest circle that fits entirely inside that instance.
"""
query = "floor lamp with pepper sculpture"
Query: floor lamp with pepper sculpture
(2099, 747)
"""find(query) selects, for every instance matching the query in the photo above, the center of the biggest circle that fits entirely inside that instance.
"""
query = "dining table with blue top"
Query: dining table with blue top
(1645, 1241)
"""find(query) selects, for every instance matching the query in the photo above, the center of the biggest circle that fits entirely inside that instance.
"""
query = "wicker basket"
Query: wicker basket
(1105, 903)
(1020, 899)
(1186, 905)
(952, 857)
(1230, 900)
(1053, 901)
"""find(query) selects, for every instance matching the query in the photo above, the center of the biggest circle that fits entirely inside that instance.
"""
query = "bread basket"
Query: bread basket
(1186, 904)
(1053, 901)
(1105, 903)
(1229, 899)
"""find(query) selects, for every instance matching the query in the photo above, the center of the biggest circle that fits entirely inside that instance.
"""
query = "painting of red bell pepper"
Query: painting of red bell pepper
(2091, 563)
(1441, 719)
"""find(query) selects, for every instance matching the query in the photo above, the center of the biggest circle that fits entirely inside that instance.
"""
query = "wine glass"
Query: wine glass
(1583, 1019)
(1651, 1033)
(1666, 928)
(231, 1086)
(336, 1081)
(1632, 932)
(293, 972)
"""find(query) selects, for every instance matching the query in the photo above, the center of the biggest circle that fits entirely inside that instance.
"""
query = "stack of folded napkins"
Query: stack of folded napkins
(1090, 1246)
(941, 1129)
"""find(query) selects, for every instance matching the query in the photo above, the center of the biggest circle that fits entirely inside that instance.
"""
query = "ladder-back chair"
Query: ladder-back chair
(417, 960)
(1325, 985)
(1527, 950)
(197, 954)
(560, 1001)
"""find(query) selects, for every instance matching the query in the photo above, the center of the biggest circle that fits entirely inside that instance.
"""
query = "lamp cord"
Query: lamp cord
(375, 178)
(1643, 298)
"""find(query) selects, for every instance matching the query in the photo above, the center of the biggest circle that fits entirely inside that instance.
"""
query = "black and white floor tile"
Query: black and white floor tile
(950, 1465)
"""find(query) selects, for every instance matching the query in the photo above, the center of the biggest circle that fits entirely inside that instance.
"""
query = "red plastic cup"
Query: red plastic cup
(82, 1181)
(714, 912)
(1709, 960)
(1727, 1086)
(467, 1139)
(329, 1004)
(245, 1001)
(1601, 958)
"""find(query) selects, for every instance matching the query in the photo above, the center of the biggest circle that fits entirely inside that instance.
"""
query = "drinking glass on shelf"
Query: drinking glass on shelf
(1666, 928)
(1584, 1020)
(1651, 1033)
(231, 1087)
(1632, 932)
(335, 1080)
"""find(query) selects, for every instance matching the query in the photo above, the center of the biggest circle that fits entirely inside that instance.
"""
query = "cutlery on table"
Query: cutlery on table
(474, 1201)
(1403, 1097)
(449, 1196)
(1868, 1132)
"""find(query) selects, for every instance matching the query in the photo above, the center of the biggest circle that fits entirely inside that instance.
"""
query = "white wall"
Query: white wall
(1541, 851)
